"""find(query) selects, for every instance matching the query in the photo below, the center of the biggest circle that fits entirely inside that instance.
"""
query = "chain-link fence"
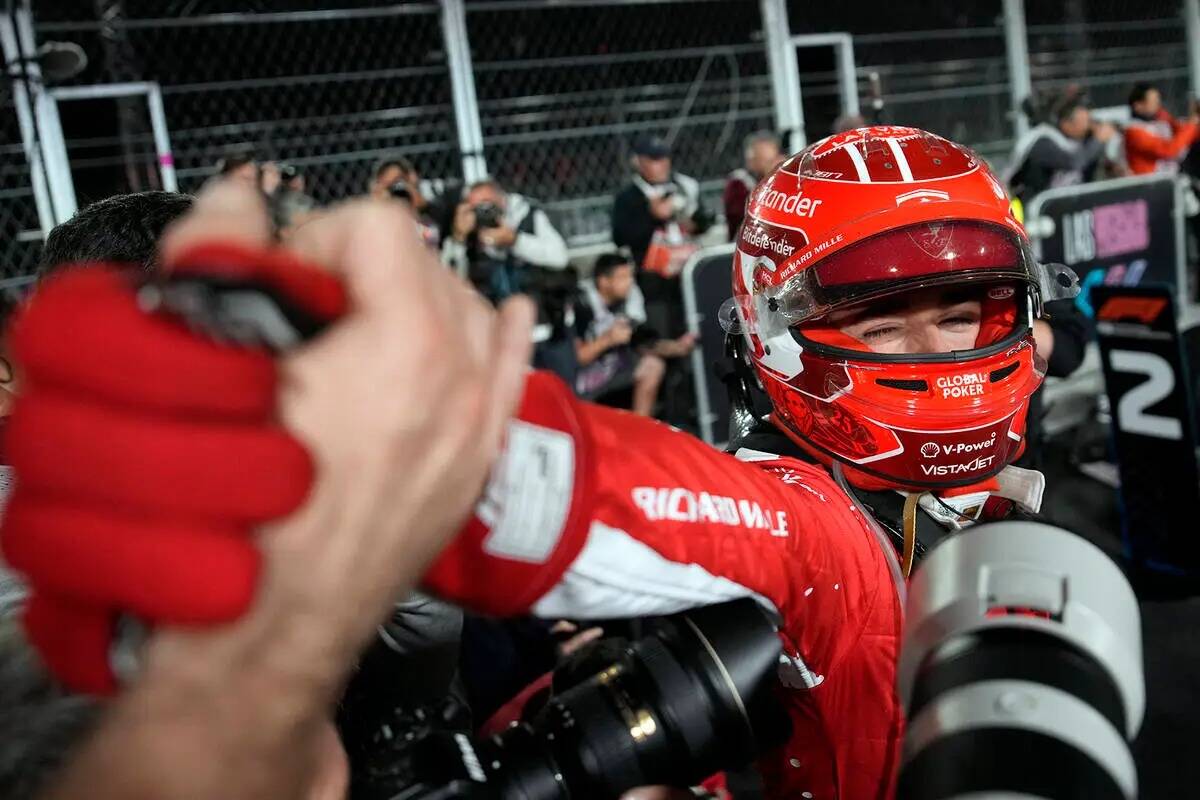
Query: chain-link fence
(562, 87)
(563, 92)
(20, 235)
(1108, 45)
(943, 69)
(328, 90)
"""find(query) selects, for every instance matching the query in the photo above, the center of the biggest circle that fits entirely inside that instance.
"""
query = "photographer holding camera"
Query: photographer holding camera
(431, 201)
(658, 216)
(497, 238)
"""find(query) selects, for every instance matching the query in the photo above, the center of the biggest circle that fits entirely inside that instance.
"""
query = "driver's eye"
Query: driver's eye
(881, 333)
(959, 321)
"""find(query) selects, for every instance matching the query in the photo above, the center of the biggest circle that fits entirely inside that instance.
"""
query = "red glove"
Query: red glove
(145, 456)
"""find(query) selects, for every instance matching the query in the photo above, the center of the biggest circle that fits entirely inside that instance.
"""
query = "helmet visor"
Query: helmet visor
(919, 256)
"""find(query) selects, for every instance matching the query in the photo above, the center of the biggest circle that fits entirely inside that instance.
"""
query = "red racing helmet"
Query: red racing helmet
(875, 213)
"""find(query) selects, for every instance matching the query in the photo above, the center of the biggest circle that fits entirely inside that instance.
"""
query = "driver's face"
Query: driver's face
(935, 320)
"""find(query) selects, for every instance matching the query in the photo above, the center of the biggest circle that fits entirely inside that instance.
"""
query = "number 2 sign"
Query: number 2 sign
(1153, 424)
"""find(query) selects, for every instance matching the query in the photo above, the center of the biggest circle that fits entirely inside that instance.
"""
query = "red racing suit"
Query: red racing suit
(593, 512)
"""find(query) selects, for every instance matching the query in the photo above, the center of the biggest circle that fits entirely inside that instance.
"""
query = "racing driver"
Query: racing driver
(883, 300)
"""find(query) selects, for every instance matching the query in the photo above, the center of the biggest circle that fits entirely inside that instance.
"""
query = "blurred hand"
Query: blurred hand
(572, 645)
(677, 348)
(621, 332)
(501, 238)
(662, 208)
(271, 177)
(464, 222)
(1103, 131)
(401, 405)
(393, 481)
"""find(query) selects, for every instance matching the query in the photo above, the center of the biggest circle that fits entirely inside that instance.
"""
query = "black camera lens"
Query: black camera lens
(682, 703)
(691, 699)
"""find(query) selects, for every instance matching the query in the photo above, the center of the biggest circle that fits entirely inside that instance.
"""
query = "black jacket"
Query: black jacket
(633, 225)
(1044, 158)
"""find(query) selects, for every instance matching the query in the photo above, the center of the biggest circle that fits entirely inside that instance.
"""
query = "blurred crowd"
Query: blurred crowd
(506, 243)
(1067, 144)
(613, 324)
(613, 329)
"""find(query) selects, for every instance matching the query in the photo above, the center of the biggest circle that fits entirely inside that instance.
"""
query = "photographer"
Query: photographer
(1063, 151)
(621, 360)
(658, 216)
(432, 202)
(497, 237)
(1154, 140)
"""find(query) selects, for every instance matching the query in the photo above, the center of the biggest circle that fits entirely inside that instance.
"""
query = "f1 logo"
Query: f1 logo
(1143, 309)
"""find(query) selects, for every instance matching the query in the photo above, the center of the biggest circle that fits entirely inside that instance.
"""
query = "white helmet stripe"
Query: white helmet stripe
(901, 160)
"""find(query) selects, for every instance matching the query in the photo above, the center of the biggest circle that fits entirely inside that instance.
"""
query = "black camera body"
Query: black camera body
(690, 699)
(488, 215)
(400, 190)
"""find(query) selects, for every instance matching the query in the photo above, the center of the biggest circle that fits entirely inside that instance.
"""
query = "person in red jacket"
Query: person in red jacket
(1154, 140)
(884, 298)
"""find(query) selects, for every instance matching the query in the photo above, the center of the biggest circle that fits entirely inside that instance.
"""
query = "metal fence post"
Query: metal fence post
(785, 73)
(1017, 47)
(462, 90)
(847, 75)
(49, 127)
(162, 140)
(25, 120)
(1191, 18)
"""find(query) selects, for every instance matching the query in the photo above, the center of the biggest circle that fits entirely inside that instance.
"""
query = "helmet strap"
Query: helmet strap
(909, 523)
(966, 505)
